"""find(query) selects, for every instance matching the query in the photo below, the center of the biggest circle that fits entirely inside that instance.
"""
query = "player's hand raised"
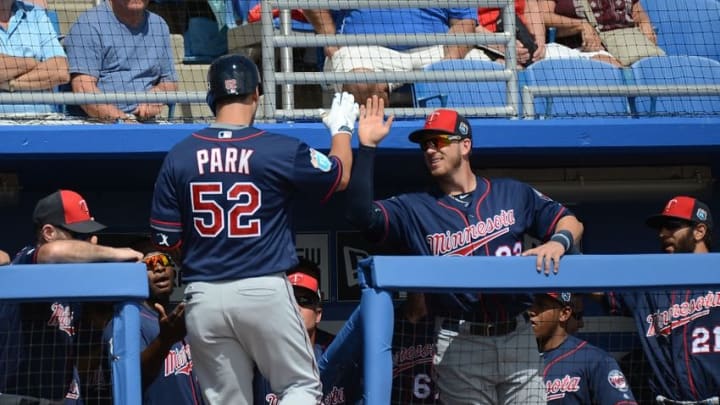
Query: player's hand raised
(372, 127)
(342, 116)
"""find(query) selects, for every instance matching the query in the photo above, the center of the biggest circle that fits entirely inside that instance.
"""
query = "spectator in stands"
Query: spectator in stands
(682, 323)
(575, 371)
(337, 389)
(465, 215)
(391, 58)
(120, 47)
(530, 31)
(166, 361)
(40, 338)
(31, 57)
(578, 38)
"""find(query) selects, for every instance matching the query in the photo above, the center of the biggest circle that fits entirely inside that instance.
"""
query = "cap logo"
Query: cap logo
(701, 214)
(432, 117)
(463, 128)
(83, 207)
(295, 278)
(231, 85)
(670, 204)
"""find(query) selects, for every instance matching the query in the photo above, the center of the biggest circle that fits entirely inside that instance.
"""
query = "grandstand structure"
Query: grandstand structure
(611, 143)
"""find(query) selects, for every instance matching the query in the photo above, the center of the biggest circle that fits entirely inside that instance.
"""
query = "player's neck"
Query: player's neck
(461, 182)
(235, 114)
(554, 341)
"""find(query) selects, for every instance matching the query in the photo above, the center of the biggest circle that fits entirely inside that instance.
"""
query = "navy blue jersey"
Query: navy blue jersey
(489, 222)
(577, 372)
(226, 196)
(40, 337)
(175, 383)
(680, 334)
(412, 348)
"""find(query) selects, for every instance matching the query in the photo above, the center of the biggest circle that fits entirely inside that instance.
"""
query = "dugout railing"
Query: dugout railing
(381, 275)
(124, 283)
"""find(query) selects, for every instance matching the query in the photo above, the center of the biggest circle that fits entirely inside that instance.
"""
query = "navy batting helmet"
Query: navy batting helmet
(231, 76)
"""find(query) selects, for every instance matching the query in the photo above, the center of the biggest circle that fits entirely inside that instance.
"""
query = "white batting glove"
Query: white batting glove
(343, 114)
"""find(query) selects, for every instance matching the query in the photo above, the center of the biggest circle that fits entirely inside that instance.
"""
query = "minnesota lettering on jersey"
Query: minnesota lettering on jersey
(408, 357)
(62, 317)
(663, 322)
(472, 237)
(223, 160)
(178, 361)
(559, 387)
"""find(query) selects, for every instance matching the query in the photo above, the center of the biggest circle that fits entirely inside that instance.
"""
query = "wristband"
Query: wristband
(563, 237)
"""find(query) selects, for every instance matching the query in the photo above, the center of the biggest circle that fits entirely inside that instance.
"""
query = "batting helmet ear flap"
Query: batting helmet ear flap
(210, 100)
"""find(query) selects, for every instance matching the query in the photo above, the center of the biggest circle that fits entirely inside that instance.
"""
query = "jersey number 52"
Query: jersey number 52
(209, 217)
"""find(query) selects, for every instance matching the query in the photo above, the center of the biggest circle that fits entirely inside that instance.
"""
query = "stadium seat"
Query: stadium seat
(576, 72)
(460, 94)
(680, 70)
(686, 27)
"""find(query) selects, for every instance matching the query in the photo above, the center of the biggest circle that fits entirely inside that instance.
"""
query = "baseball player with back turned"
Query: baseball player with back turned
(680, 329)
(223, 197)
(486, 352)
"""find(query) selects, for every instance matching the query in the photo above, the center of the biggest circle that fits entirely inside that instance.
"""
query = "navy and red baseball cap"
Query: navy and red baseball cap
(564, 298)
(443, 121)
(683, 207)
(66, 209)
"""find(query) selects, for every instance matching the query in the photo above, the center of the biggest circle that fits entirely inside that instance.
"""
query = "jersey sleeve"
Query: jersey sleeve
(165, 215)
(391, 219)
(609, 384)
(315, 173)
(543, 212)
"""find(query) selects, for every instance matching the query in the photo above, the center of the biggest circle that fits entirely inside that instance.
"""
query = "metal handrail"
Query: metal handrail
(530, 92)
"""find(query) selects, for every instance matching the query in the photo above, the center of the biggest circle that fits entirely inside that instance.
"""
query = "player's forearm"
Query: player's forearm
(570, 223)
(76, 251)
(44, 76)
(12, 67)
(152, 360)
(342, 149)
(359, 209)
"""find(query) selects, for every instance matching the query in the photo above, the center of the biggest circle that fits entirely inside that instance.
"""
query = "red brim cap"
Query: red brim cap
(299, 279)
(685, 208)
(443, 121)
(66, 209)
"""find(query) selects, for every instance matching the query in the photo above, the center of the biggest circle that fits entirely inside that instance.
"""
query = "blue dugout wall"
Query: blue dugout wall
(114, 167)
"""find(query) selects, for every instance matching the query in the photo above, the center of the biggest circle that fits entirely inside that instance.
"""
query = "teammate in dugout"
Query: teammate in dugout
(166, 364)
(680, 329)
(341, 385)
(223, 197)
(575, 372)
(41, 338)
(466, 215)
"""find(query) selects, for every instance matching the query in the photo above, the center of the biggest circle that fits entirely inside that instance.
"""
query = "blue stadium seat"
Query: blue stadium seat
(460, 94)
(576, 72)
(681, 70)
(686, 27)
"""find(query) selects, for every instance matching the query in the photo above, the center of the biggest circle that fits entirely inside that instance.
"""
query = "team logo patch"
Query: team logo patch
(463, 128)
(231, 85)
(701, 214)
(320, 161)
(617, 380)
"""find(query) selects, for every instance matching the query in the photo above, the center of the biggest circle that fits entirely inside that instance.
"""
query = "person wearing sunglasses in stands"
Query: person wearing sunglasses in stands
(466, 215)
(165, 361)
(679, 329)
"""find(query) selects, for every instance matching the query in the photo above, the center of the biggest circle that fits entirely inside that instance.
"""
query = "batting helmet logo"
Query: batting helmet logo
(231, 85)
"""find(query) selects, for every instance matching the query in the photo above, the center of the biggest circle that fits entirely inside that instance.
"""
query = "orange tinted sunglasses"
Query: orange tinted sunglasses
(158, 258)
(438, 141)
